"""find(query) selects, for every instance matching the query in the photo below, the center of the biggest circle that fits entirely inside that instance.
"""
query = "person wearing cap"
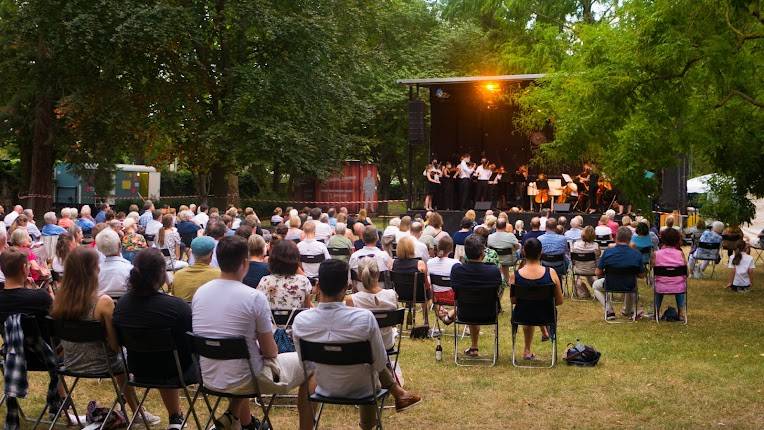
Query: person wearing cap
(188, 280)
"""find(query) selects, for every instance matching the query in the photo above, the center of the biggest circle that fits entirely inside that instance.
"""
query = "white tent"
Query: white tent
(698, 185)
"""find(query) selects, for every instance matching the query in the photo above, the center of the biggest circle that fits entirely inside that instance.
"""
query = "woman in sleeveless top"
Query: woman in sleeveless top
(670, 255)
(373, 296)
(533, 274)
(406, 262)
(78, 300)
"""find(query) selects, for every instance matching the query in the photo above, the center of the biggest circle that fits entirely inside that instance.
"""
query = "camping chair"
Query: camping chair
(477, 306)
(577, 259)
(159, 343)
(717, 258)
(621, 280)
(85, 332)
(389, 319)
(35, 362)
(458, 252)
(604, 240)
(647, 253)
(410, 289)
(228, 348)
(663, 290)
(444, 282)
(312, 259)
(339, 252)
(344, 354)
(506, 257)
(757, 246)
(557, 263)
(539, 310)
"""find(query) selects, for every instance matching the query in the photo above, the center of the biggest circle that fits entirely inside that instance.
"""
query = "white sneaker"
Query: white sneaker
(150, 418)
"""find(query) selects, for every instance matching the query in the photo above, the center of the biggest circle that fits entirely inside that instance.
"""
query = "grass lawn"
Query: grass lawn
(706, 374)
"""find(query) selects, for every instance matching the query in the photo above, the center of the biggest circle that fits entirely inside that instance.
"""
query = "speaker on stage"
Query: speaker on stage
(562, 207)
(482, 205)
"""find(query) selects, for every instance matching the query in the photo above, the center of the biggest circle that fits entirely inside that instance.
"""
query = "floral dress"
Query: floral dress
(285, 292)
(133, 242)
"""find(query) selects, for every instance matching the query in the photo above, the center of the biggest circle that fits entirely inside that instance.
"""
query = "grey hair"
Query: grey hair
(340, 228)
(577, 221)
(623, 235)
(324, 218)
(108, 242)
(718, 227)
(49, 217)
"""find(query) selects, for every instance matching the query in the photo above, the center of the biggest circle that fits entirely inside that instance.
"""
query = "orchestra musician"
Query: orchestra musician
(483, 173)
(493, 183)
(521, 183)
(448, 185)
(432, 172)
(465, 173)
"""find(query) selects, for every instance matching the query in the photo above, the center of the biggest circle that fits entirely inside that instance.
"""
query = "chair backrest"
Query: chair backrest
(553, 258)
(77, 331)
(670, 271)
(666, 281)
(296, 240)
(709, 245)
(228, 348)
(409, 286)
(149, 237)
(621, 279)
(458, 252)
(478, 305)
(148, 340)
(339, 252)
(312, 259)
(166, 252)
(503, 251)
(337, 354)
(731, 237)
(389, 318)
(440, 280)
(285, 317)
(537, 302)
(646, 250)
(583, 256)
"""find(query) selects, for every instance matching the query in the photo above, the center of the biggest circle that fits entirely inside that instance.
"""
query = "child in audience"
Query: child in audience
(741, 276)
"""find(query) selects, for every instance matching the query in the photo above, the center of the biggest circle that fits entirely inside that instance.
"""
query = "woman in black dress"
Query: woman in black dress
(432, 173)
(447, 181)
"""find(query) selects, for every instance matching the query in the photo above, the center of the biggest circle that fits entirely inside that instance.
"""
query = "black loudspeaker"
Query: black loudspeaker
(562, 207)
(482, 205)
(416, 122)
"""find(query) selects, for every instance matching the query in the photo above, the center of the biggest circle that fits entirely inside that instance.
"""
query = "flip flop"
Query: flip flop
(530, 357)
(471, 352)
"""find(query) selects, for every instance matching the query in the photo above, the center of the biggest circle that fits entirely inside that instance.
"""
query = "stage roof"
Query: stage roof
(426, 82)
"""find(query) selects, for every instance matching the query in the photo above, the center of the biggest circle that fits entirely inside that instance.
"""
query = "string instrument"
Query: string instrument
(563, 198)
(603, 185)
(543, 193)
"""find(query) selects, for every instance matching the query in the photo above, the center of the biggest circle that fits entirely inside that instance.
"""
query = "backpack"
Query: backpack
(589, 357)
(670, 314)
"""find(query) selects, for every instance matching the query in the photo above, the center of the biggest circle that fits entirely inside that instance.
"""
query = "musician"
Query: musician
(483, 173)
(542, 185)
(594, 178)
(582, 183)
(569, 193)
(448, 184)
(521, 183)
(432, 173)
(493, 183)
(465, 173)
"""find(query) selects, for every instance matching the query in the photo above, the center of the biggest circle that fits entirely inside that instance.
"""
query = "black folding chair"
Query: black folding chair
(535, 307)
(604, 240)
(167, 253)
(149, 239)
(557, 263)
(647, 253)
(389, 319)
(86, 332)
(283, 318)
(224, 349)
(159, 343)
(312, 259)
(339, 252)
(577, 258)
(344, 354)
(503, 254)
(714, 260)
(443, 281)
(672, 272)
(410, 289)
(477, 306)
(621, 280)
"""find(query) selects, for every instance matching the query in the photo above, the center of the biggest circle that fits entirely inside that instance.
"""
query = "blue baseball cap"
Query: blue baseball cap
(202, 245)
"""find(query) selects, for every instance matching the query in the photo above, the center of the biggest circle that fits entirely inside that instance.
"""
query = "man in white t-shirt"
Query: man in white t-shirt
(323, 229)
(201, 219)
(392, 228)
(334, 322)
(226, 307)
(310, 246)
(153, 226)
(370, 250)
(421, 250)
(12, 215)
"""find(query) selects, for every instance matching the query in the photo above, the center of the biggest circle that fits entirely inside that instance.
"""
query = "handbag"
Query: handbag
(586, 357)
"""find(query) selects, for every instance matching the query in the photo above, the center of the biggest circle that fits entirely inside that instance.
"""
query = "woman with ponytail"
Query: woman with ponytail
(168, 238)
(78, 300)
(145, 306)
(742, 266)
(373, 296)
(441, 266)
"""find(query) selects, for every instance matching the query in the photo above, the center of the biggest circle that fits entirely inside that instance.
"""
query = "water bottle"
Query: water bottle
(438, 351)
(579, 345)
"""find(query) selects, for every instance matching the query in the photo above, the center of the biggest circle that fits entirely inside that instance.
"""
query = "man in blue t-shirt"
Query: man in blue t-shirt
(621, 256)
(535, 231)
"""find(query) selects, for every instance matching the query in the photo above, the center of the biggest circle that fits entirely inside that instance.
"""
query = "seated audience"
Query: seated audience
(742, 265)
(187, 228)
(66, 218)
(407, 262)
(603, 230)
(12, 215)
(78, 300)
(285, 287)
(17, 296)
(404, 228)
(712, 236)
(145, 306)
(132, 242)
(670, 255)
(585, 270)
(323, 229)
(340, 241)
(534, 275)
(294, 233)
(216, 230)
(370, 250)
(421, 249)
(502, 240)
(153, 225)
(225, 307)
(392, 228)
(363, 218)
(441, 265)
(535, 230)
(373, 296)
(310, 246)
(64, 246)
(332, 321)
(51, 228)
(619, 256)
(641, 240)
(519, 229)
(86, 221)
(169, 239)
(114, 270)
(358, 229)
(574, 234)
(23, 243)
(277, 219)
(188, 280)
(610, 214)
(435, 227)
(555, 246)
(258, 267)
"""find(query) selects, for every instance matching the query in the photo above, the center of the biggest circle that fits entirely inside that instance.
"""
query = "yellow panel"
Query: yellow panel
(126, 184)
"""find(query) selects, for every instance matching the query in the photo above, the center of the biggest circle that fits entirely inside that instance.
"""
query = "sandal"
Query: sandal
(471, 352)
(529, 357)
(447, 320)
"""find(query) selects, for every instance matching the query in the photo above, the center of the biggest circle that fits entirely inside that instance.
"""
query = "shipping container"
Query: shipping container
(357, 182)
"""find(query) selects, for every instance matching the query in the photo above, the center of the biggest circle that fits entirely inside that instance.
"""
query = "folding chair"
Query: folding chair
(149, 239)
(535, 307)
(477, 306)
(621, 280)
(443, 282)
(224, 349)
(283, 318)
(339, 252)
(761, 251)
(663, 290)
(167, 253)
(410, 289)
(86, 332)
(604, 240)
(35, 363)
(389, 319)
(344, 354)
(714, 260)
(312, 259)
(577, 258)
(647, 253)
(557, 262)
(157, 342)
(506, 254)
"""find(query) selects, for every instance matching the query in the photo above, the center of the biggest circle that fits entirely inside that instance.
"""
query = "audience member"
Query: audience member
(441, 265)
(12, 215)
(258, 267)
(370, 250)
(535, 231)
(670, 255)
(554, 245)
(620, 256)
(17, 296)
(712, 236)
(742, 265)
(294, 233)
(169, 239)
(188, 280)
(147, 215)
(603, 230)
(374, 297)
(114, 269)
(574, 234)
(23, 243)
(421, 249)
(585, 270)
(502, 240)
(310, 246)
(285, 287)
(132, 242)
(340, 241)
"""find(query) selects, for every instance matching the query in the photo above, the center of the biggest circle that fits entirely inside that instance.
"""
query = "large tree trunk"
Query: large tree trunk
(219, 187)
(38, 167)
(232, 196)
(202, 187)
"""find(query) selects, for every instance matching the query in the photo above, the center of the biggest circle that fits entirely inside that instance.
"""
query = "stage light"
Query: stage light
(492, 87)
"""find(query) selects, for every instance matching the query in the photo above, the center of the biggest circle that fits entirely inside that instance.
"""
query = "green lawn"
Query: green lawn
(706, 374)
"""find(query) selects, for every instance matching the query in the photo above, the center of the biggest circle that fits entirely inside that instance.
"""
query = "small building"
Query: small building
(131, 181)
